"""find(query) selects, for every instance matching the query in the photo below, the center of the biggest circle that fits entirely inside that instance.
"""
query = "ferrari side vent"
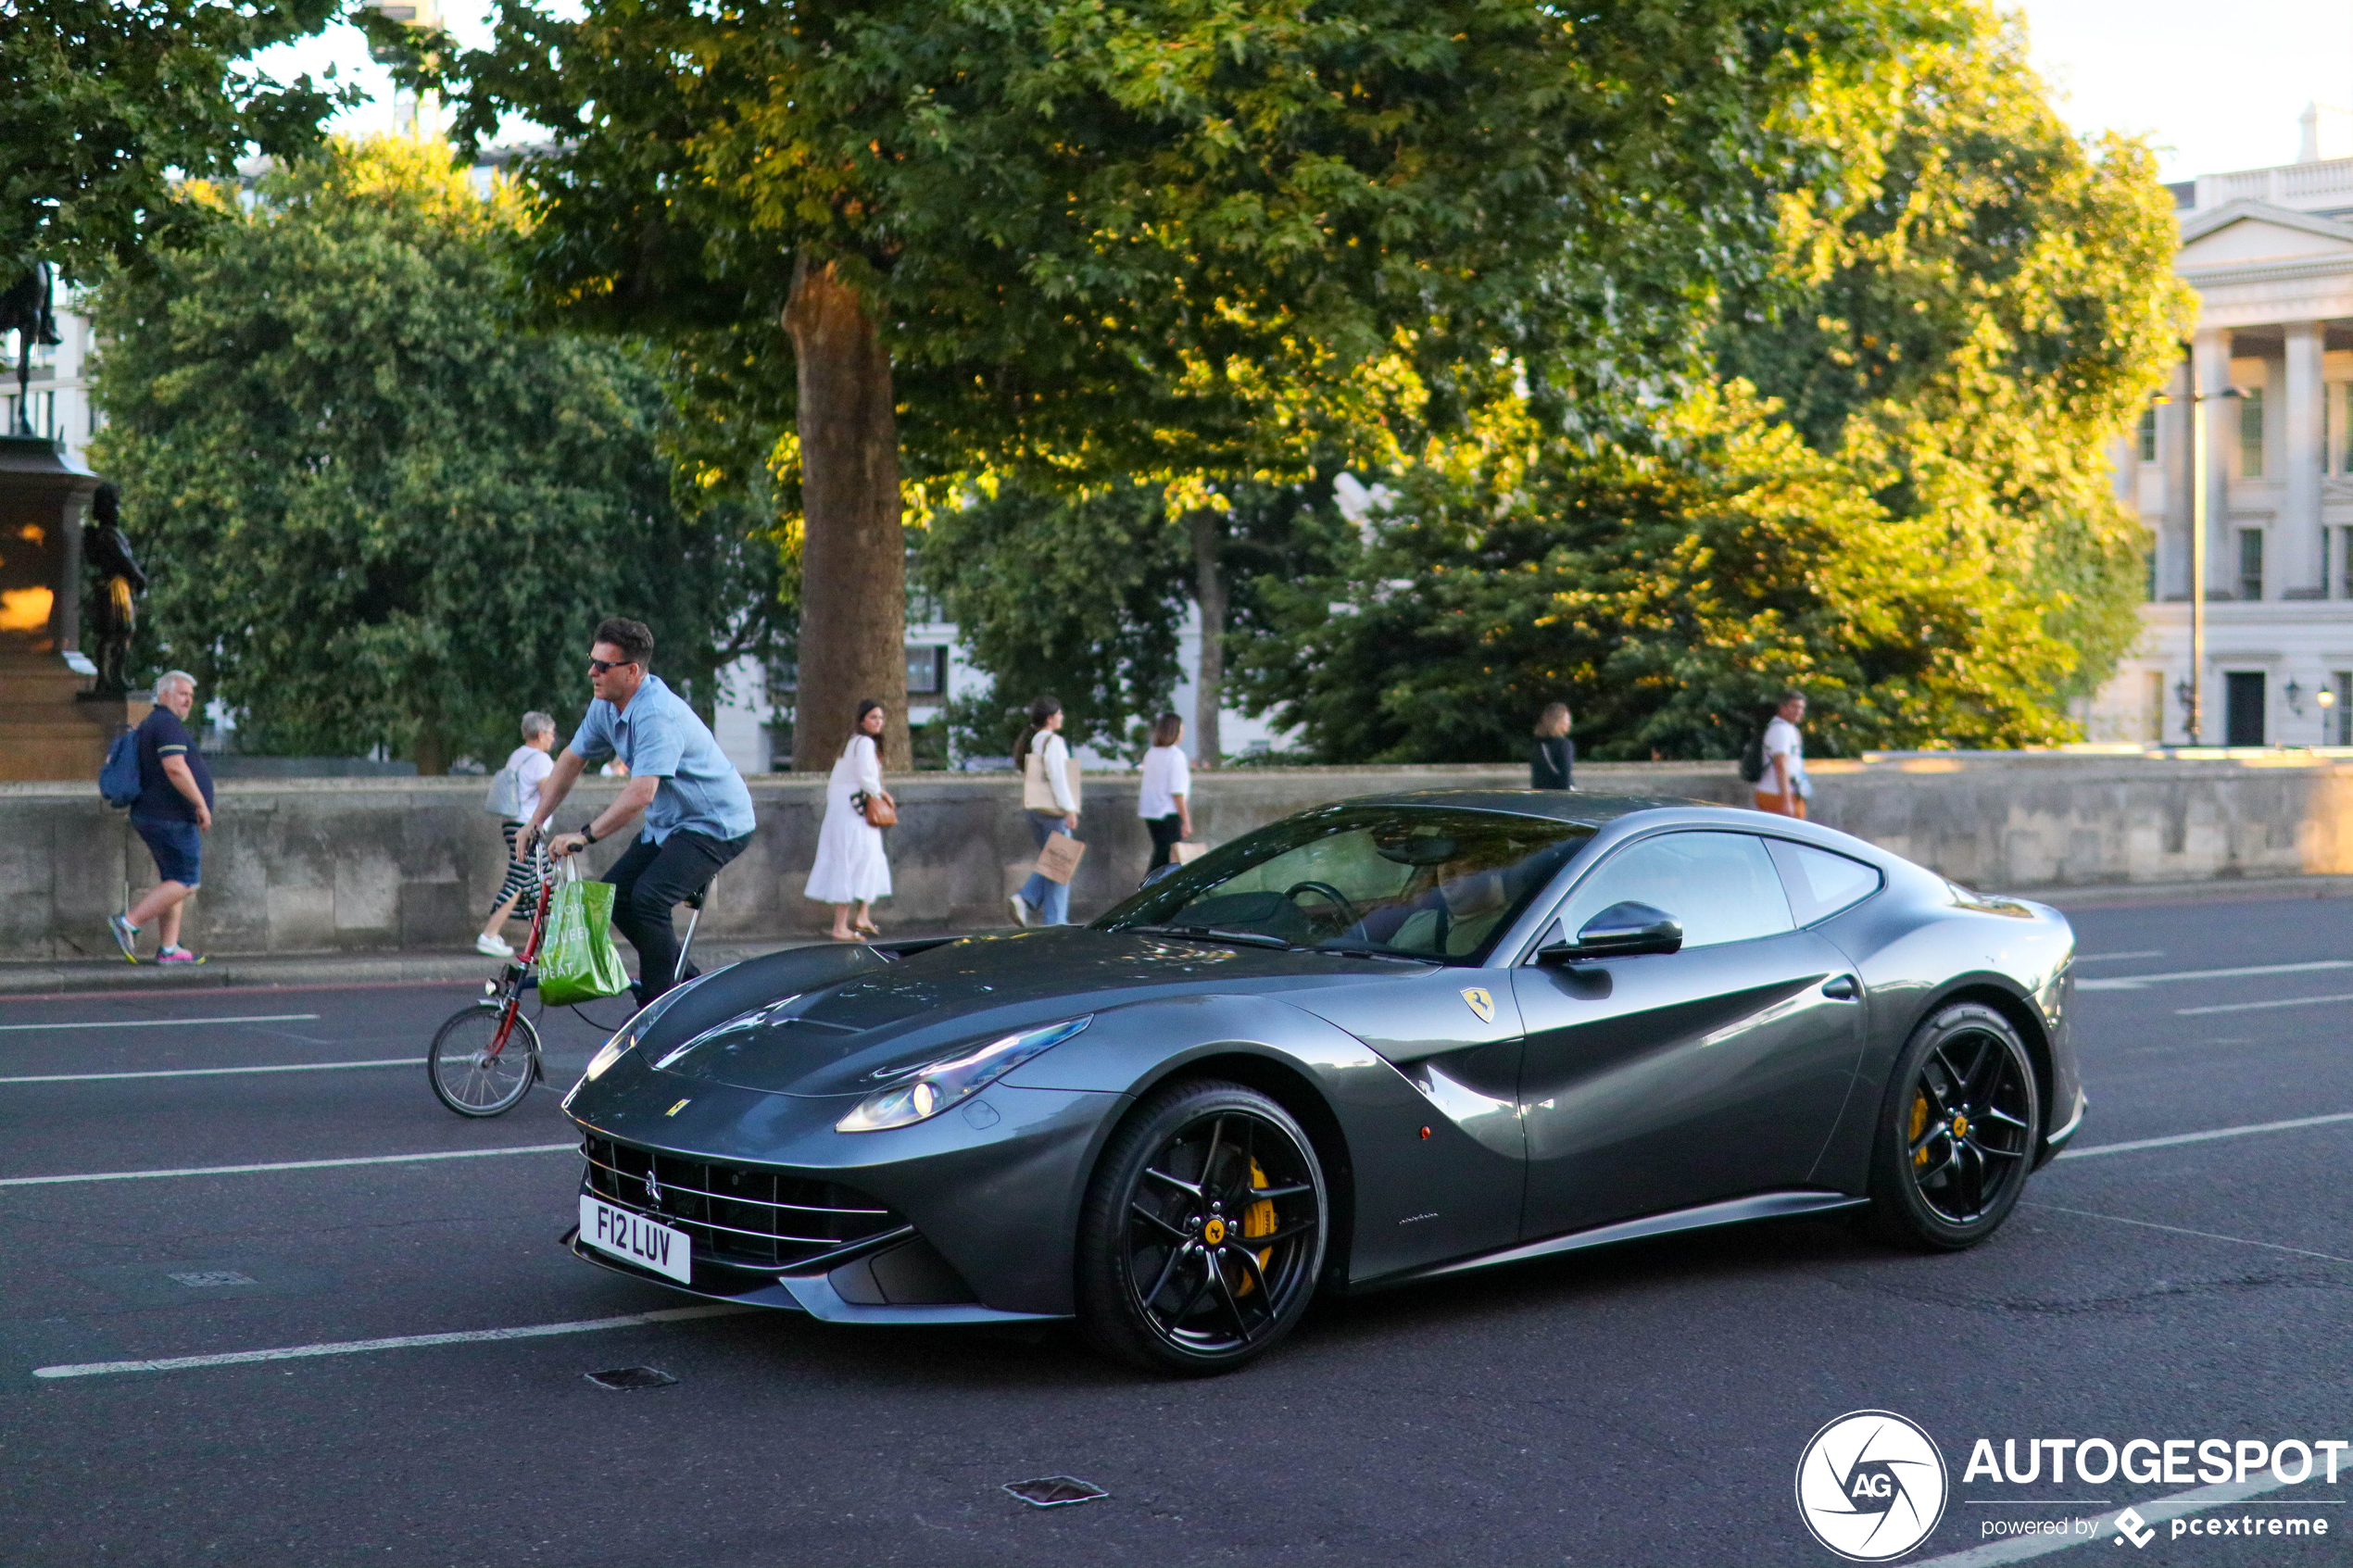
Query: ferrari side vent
(752, 1216)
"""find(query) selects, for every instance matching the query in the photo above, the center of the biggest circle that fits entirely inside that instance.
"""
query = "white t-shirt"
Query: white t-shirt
(1781, 739)
(1166, 775)
(532, 767)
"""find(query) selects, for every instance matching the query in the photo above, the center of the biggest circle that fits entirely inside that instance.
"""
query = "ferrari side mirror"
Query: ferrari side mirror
(1622, 931)
(1167, 869)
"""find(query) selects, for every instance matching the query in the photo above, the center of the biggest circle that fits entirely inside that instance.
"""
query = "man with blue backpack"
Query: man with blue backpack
(171, 801)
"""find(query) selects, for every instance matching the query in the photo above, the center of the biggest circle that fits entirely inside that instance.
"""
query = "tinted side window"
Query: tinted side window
(1720, 886)
(1820, 883)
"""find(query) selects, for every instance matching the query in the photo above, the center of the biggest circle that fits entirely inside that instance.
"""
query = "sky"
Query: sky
(2213, 89)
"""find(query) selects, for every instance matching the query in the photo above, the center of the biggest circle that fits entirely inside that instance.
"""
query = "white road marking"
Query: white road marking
(2102, 1530)
(2134, 982)
(164, 1022)
(2208, 1137)
(397, 1342)
(289, 1165)
(215, 1072)
(2099, 958)
(2179, 1230)
(2256, 1007)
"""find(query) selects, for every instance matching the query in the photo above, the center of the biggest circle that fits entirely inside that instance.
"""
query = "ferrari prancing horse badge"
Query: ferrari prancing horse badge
(1480, 1003)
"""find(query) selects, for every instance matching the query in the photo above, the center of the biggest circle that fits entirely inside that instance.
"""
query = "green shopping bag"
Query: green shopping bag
(577, 962)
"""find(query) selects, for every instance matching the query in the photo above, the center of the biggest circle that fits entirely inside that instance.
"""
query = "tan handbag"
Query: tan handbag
(1058, 861)
(878, 812)
(1184, 851)
(1036, 795)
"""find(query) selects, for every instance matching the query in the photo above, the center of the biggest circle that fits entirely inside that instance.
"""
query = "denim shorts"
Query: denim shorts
(178, 849)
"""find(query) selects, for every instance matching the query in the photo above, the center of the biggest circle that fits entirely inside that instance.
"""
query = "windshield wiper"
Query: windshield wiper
(1391, 954)
(1212, 934)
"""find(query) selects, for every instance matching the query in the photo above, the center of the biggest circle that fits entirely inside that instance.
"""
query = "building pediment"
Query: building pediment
(2248, 232)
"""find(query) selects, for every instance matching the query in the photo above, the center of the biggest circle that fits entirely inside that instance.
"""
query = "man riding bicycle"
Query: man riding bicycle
(697, 808)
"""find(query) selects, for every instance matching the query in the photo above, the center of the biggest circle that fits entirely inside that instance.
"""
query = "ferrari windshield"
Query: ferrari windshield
(1413, 882)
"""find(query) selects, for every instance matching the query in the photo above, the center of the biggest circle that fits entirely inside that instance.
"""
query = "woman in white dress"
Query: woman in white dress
(850, 867)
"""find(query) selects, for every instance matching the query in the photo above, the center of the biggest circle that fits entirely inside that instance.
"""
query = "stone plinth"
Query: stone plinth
(47, 731)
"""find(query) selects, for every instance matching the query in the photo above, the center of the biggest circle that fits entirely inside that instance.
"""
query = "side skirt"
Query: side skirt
(1732, 1211)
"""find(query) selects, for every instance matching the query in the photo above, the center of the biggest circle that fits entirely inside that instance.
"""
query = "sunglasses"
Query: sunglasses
(598, 666)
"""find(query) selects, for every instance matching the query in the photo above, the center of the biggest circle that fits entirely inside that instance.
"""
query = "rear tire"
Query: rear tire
(1957, 1132)
(470, 1081)
(1203, 1232)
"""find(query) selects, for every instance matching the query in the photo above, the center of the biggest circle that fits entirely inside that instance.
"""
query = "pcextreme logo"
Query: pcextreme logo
(1871, 1486)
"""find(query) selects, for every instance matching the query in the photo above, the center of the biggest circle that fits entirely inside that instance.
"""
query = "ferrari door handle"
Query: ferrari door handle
(1841, 989)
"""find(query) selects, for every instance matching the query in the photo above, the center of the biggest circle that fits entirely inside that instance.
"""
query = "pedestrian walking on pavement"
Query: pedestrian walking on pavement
(1162, 795)
(1555, 755)
(175, 809)
(1050, 806)
(697, 810)
(852, 868)
(531, 764)
(1784, 789)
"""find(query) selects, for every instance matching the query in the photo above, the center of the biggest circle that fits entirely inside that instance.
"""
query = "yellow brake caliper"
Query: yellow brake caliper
(1919, 1124)
(1258, 1220)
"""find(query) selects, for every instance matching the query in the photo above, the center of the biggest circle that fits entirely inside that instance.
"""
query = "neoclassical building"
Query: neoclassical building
(2270, 252)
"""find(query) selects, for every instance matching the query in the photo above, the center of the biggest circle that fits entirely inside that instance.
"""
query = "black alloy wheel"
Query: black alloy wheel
(1203, 1232)
(1957, 1137)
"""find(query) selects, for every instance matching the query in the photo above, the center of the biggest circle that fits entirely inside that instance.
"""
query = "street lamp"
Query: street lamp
(2195, 699)
(2326, 697)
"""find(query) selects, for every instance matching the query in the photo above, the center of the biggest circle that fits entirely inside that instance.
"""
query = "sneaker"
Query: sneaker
(1021, 909)
(178, 955)
(125, 937)
(494, 946)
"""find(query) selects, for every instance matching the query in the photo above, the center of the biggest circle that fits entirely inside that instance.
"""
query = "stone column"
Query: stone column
(2175, 421)
(2210, 353)
(2297, 534)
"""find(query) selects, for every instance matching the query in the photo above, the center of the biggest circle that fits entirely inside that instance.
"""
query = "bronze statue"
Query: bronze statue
(27, 309)
(115, 613)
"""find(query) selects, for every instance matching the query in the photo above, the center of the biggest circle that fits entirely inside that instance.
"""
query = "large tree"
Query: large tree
(376, 510)
(1058, 234)
(109, 101)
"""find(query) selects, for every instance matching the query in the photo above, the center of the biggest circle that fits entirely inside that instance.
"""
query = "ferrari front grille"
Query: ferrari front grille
(745, 1215)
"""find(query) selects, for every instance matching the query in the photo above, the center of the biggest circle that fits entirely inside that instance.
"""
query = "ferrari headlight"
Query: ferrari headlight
(923, 1092)
(635, 1030)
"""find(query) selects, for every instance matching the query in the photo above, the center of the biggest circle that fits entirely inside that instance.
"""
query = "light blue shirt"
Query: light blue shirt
(659, 737)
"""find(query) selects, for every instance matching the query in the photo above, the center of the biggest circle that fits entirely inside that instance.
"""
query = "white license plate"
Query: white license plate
(646, 1242)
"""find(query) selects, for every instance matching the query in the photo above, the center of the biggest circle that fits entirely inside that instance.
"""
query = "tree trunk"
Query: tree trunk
(1209, 592)
(853, 549)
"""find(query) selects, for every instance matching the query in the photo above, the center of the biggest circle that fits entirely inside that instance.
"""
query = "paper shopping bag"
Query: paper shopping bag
(1184, 851)
(1059, 861)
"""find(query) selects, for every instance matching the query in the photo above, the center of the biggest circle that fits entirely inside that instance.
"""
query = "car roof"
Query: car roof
(1561, 805)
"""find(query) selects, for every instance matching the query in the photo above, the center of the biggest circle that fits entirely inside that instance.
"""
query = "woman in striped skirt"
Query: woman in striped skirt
(531, 764)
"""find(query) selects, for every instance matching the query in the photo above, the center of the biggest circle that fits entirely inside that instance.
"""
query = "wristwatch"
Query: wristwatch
(586, 830)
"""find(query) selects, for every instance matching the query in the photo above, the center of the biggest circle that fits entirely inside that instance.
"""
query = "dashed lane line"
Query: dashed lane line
(162, 1023)
(2208, 1137)
(289, 1165)
(2258, 1007)
(396, 1342)
(214, 1072)
(2134, 982)
(2101, 1530)
(2182, 1230)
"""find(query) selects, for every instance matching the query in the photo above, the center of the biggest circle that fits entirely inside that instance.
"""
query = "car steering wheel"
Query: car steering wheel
(1354, 915)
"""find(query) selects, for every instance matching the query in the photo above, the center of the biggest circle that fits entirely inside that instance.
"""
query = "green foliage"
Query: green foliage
(108, 101)
(1082, 600)
(1667, 591)
(376, 510)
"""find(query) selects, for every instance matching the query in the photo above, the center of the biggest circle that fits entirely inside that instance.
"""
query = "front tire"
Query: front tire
(468, 1076)
(1957, 1132)
(1203, 1232)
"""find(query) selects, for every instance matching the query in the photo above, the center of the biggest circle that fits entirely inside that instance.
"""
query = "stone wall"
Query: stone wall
(321, 865)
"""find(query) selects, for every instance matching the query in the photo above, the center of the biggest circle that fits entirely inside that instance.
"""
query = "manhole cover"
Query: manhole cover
(1053, 1491)
(201, 1278)
(625, 1378)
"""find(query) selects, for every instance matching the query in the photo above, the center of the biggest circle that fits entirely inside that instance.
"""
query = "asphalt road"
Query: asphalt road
(1642, 1405)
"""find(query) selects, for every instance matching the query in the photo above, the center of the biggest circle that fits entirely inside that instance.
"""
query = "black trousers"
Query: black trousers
(651, 880)
(1166, 832)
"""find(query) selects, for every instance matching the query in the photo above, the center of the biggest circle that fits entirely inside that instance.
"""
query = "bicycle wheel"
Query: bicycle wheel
(470, 1077)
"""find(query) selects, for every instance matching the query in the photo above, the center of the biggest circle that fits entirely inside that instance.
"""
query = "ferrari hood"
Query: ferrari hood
(841, 1038)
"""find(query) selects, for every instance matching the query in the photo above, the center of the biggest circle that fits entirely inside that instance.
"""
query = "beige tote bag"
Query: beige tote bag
(1036, 795)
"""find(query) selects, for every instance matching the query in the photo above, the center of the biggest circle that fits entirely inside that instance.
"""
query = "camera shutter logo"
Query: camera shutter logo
(1871, 1486)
